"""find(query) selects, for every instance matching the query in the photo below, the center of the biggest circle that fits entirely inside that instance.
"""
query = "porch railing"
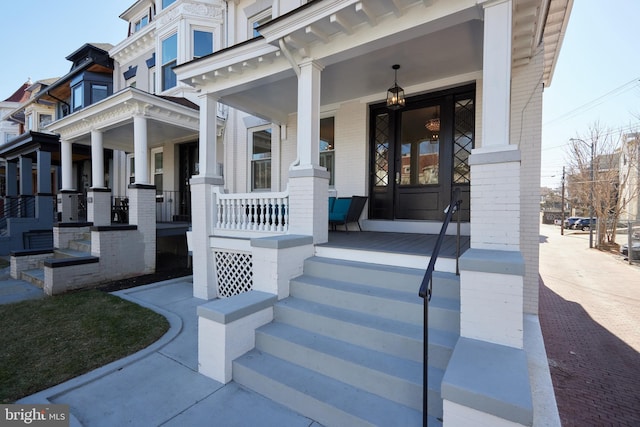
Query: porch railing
(173, 206)
(19, 207)
(252, 211)
(426, 290)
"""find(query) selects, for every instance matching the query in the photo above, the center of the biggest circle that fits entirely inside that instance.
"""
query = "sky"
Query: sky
(596, 79)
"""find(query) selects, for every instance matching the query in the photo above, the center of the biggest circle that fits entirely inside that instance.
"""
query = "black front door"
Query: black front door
(419, 153)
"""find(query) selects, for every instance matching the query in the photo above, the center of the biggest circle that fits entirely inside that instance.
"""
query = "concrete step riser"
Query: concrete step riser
(33, 280)
(410, 312)
(80, 245)
(382, 384)
(368, 337)
(446, 285)
(320, 411)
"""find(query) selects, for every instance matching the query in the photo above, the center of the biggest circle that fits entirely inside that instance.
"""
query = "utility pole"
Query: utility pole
(593, 182)
(562, 221)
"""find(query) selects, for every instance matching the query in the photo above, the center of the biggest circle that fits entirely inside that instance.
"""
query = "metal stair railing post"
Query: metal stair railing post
(426, 290)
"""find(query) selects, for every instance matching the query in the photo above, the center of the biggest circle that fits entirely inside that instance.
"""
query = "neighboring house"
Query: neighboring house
(313, 76)
(141, 139)
(630, 177)
(9, 129)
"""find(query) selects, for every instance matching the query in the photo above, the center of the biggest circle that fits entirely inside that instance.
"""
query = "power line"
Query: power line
(595, 102)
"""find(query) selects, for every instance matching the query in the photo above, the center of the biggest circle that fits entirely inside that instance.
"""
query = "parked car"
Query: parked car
(569, 222)
(584, 224)
(635, 249)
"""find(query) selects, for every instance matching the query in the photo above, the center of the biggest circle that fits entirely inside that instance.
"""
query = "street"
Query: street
(589, 314)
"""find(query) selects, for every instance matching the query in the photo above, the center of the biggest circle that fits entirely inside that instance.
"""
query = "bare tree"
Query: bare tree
(597, 178)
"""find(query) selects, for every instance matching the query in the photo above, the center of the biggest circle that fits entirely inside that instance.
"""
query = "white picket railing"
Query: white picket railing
(267, 212)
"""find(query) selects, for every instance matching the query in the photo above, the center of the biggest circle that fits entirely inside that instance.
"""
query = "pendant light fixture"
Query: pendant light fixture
(395, 94)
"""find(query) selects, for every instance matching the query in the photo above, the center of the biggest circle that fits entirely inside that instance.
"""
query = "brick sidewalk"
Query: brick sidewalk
(590, 319)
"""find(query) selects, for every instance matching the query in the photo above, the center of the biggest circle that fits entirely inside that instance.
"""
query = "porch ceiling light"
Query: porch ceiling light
(395, 94)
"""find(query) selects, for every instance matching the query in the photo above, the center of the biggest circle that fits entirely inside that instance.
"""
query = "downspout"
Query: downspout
(59, 100)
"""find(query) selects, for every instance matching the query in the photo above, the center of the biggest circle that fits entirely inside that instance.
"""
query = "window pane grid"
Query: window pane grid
(463, 140)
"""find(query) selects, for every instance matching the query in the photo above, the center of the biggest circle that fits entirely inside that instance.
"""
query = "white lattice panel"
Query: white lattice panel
(234, 271)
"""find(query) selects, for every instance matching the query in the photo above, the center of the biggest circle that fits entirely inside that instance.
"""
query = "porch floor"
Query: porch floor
(399, 243)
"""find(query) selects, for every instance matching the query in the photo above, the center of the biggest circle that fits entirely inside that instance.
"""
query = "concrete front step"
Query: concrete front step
(445, 285)
(386, 303)
(34, 276)
(391, 377)
(392, 337)
(322, 398)
(81, 245)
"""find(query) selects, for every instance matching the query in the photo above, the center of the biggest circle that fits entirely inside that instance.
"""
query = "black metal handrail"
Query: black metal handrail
(426, 288)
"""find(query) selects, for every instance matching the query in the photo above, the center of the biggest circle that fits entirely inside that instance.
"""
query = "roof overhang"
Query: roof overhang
(357, 42)
(168, 121)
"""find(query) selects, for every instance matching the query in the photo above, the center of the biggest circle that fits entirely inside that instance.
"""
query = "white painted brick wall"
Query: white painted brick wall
(219, 344)
(274, 268)
(351, 152)
(308, 208)
(142, 212)
(121, 252)
(99, 207)
(526, 132)
(63, 235)
(491, 307)
(23, 263)
(495, 209)
(59, 280)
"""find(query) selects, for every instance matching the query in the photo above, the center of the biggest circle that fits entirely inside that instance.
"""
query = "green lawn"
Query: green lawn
(45, 342)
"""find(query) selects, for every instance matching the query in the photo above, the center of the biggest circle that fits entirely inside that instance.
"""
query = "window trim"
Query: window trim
(168, 65)
(256, 20)
(251, 160)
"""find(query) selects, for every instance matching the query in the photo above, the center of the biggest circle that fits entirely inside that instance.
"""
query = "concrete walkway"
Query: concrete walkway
(160, 385)
(12, 290)
(590, 317)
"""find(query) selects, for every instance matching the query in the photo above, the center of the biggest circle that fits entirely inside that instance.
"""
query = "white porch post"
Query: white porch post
(492, 270)
(98, 197)
(140, 149)
(97, 159)
(203, 201)
(308, 181)
(67, 166)
(67, 197)
(142, 200)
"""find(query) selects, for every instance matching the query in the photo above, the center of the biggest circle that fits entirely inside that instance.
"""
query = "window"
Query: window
(261, 159)
(141, 23)
(202, 43)
(98, 93)
(29, 122)
(169, 56)
(256, 20)
(132, 168)
(78, 95)
(327, 146)
(167, 3)
(44, 119)
(157, 169)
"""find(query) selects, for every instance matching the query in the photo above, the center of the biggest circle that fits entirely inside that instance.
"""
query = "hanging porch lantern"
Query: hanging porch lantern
(395, 94)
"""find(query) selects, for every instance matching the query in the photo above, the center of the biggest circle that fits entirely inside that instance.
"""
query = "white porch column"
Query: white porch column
(140, 149)
(309, 114)
(97, 159)
(203, 202)
(492, 270)
(67, 166)
(208, 162)
(308, 181)
(496, 75)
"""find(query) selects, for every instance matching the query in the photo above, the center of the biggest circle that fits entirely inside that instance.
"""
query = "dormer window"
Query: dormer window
(140, 24)
(167, 3)
(78, 97)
